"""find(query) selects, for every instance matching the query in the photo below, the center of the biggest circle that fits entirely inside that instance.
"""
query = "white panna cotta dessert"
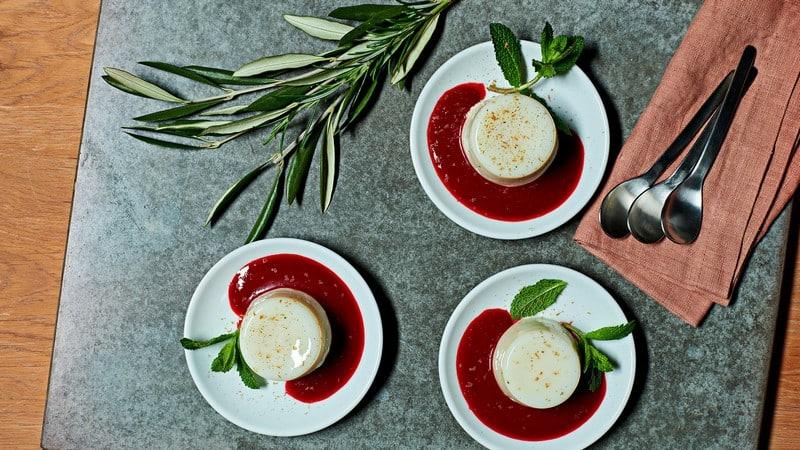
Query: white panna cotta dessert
(510, 139)
(284, 335)
(536, 363)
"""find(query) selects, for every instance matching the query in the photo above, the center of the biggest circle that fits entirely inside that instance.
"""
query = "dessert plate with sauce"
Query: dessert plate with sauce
(492, 163)
(270, 280)
(468, 356)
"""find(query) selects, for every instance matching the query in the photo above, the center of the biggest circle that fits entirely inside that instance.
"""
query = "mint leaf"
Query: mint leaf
(599, 359)
(227, 357)
(612, 333)
(536, 298)
(191, 344)
(249, 378)
(546, 41)
(508, 53)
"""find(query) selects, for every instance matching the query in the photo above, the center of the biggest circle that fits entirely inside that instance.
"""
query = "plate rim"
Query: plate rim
(266, 248)
(524, 230)
(447, 337)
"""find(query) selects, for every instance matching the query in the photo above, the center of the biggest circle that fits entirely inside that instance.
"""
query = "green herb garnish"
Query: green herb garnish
(533, 299)
(325, 93)
(559, 54)
(228, 356)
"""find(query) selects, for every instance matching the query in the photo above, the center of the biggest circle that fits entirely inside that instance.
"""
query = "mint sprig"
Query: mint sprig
(229, 355)
(559, 55)
(595, 362)
(535, 298)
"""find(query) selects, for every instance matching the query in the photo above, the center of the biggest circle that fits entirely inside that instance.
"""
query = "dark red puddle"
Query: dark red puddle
(347, 327)
(512, 204)
(492, 407)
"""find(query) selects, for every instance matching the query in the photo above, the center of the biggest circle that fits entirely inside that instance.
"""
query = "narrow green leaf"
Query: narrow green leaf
(279, 98)
(316, 77)
(327, 174)
(177, 112)
(278, 62)
(508, 53)
(419, 45)
(361, 13)
(268, 210)
(121, 86)
(166, 144)
(224, 76)
(181, 132)
(226, 357)
(196, 125)
(531, 300)
(297, 171)
(370, 20)
(229, 111)
(249, 378)
(191, 344)
(142, 87)
(180, 71)
(612, 333)
(232, 192)
(248, 123)
(319, 28)
(363, 99)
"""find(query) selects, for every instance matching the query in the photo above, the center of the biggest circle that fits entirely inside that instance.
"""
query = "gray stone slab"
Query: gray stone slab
(137, 247)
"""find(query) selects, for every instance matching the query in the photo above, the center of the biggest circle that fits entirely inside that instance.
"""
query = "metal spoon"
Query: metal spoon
(682, 215)
(618, 201)
(644, 217)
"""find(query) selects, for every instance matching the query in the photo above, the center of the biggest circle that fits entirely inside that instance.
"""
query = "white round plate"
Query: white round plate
(269, 410)
(587, 305)
(572, 96)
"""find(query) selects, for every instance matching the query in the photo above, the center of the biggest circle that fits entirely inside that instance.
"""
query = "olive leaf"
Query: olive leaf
(268, 210)
(180, 71)
(140, 86)
(423, 37)
(276, 63)
(178, 112)
(319, 28)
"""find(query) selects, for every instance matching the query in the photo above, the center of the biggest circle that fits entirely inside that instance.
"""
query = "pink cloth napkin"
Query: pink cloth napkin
(755, 174)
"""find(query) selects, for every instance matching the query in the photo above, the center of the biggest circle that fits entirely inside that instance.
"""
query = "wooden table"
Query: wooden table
(45, 59)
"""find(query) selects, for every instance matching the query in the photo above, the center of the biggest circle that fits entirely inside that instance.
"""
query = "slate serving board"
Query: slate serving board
(137, 247)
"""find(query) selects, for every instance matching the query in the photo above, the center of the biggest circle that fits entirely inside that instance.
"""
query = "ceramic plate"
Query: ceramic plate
(587, 305)
(269, 410)
(572, 96)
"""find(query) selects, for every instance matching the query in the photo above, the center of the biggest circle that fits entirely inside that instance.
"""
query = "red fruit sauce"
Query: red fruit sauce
(347, 327)
(511, 204)
(492, 407)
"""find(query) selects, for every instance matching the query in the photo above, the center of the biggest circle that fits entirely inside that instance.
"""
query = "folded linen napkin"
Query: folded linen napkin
(755, 174)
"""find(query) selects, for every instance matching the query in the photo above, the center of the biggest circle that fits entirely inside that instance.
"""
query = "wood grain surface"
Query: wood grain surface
(45, 58)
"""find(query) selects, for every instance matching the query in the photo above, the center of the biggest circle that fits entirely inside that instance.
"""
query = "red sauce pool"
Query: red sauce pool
(347, 327)
(511, 204)
(492, 407)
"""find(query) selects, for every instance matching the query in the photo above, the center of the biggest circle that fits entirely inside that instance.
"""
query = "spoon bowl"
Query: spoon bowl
(644, 217)
(682, 214)
(615, 206)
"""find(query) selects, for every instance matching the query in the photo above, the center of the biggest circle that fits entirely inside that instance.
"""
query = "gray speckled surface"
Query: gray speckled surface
(137, 247)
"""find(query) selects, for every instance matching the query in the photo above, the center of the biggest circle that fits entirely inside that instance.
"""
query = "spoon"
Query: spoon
(682, 215)
(644, 217)
(618, 201)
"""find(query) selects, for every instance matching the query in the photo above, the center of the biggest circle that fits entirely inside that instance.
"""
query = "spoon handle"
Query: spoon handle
(690, 130)
(727, 112)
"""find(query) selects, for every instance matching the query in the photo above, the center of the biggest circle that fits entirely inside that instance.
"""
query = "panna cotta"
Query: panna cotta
(536, 363)
(284, 335)
(509, 139)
